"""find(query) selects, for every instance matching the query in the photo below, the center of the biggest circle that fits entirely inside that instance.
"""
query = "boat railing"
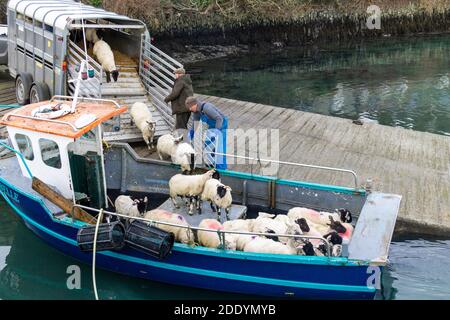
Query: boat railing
(70, 98)
(41, 119)
(20, 156)
(295, 164)
(221, 233)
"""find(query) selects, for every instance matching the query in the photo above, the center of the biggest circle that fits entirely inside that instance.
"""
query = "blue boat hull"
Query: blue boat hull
(231, 271)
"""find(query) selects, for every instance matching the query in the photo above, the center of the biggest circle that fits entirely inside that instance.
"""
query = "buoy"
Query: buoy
(91, 73)
(84, 75)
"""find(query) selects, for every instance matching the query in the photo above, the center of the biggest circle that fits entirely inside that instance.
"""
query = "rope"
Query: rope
(94, 281)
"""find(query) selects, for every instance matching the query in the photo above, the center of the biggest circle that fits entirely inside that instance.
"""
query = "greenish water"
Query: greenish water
(30, 269)
(399, 82)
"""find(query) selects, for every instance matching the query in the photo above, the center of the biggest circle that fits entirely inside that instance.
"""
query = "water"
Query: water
(30, 269)
(398, 82)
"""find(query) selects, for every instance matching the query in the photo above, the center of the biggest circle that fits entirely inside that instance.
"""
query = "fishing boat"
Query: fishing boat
(60, 178)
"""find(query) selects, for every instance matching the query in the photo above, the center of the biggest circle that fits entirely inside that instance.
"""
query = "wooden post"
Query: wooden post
(65, 204)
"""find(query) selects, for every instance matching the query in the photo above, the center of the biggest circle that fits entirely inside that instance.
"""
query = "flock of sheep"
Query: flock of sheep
(274, 234)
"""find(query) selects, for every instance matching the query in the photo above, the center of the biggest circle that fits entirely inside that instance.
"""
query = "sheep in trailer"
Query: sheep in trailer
(143, 119)
(91, 36)
(210, 239)
(104, 55)
(183, 235)
(219, 196)
(188, 186)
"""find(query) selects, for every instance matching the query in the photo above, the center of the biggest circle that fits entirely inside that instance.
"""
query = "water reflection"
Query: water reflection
(399, 82)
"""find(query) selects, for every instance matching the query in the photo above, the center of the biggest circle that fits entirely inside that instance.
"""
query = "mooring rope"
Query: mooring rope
(94, 281)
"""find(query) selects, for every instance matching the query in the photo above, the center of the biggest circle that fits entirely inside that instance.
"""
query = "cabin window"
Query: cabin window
(25, 147)
(50, 153)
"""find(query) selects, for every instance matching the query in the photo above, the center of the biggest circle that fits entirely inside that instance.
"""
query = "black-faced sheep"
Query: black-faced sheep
(218, 195)
(103, 53)
(188, 186)
(126, 205)
(143, 119)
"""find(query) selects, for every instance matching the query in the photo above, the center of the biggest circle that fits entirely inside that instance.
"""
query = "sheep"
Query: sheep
(263, 245)
(347, 234)
(264, 224)
(91, 36)
(188, 186)
(166, 146)
(210, 239)
(180, 153)
(245, 225)
(103, 53)
(219, 196)
(323, 218)
(336, 250)
(184, 156)
(143, 119)
(182, 235)
(325, 229)
(131, 207)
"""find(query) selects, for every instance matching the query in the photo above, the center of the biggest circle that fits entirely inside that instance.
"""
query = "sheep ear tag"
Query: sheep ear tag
(85, 120)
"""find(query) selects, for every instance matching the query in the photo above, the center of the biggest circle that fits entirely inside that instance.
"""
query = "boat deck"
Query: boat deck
(236, 212)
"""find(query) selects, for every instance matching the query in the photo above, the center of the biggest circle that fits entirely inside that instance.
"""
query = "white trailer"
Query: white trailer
(46, 47)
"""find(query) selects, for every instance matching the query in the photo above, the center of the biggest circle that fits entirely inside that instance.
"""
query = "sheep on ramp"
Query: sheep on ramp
(142, 117)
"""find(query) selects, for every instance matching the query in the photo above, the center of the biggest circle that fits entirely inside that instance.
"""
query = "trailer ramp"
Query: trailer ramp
(128, 89)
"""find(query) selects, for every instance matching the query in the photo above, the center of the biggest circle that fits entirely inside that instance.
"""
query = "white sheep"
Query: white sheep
(322, 217)
(183, 235)
(245, 225)
(184, 157)
(264, 224)
(218, 195)
(91, 36)
(103, 53)
(188, 186)
(131, 207)
(263, 245)
(143, 119)
(166, 145)
(210, 239)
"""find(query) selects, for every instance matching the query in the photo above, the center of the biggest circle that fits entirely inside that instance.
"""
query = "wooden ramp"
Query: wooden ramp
(127, 90)
(415, 165)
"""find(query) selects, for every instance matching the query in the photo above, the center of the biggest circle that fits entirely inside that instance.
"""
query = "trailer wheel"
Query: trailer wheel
(23, 86)
(39, 92)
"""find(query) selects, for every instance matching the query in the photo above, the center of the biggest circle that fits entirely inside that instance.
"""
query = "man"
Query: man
(182, 88)
(216, 120)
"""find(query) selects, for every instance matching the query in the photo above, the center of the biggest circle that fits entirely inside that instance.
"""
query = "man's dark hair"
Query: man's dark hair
(190, 101)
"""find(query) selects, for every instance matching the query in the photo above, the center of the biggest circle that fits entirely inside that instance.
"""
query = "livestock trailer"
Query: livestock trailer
(46, 48)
